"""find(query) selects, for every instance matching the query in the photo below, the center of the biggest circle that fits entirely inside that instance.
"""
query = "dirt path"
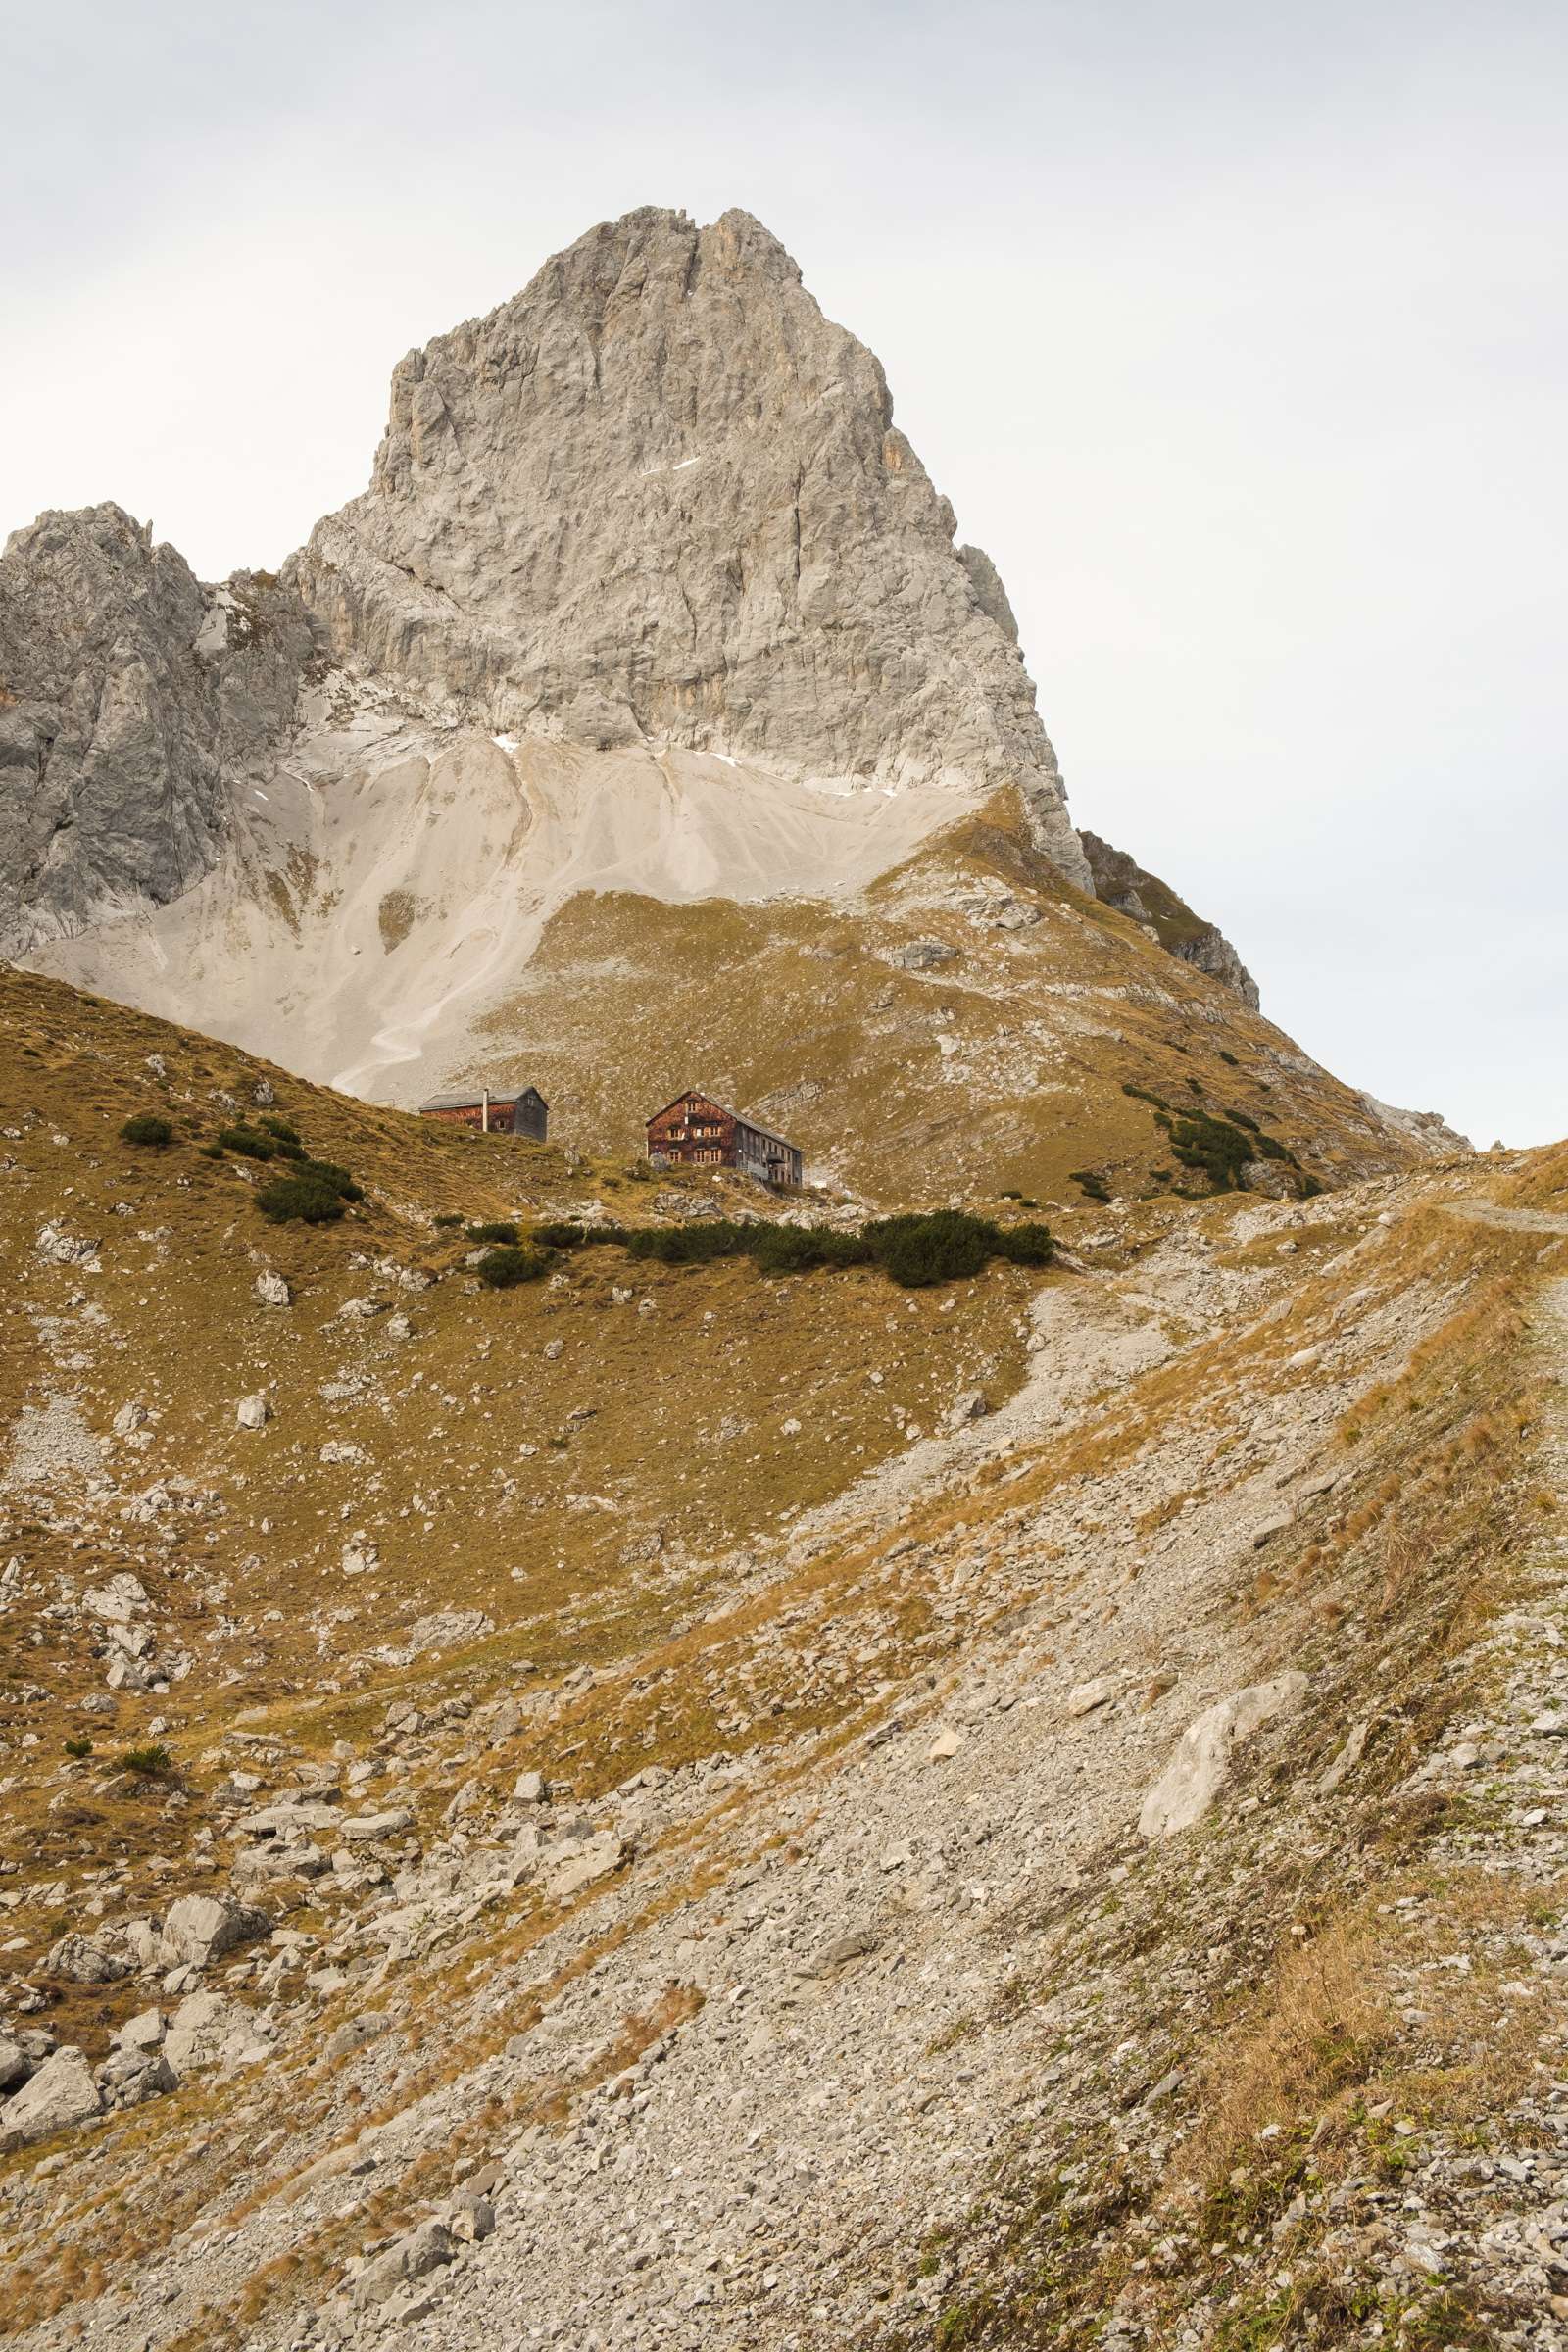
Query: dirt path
(1519, 1220)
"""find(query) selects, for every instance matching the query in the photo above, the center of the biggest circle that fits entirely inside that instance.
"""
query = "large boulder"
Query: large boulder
(201, 1928)
(1187, 1786)
(415, 2256)
(80, 1962)
(130, 2076)
(59, 2096)
(208, 2029)
(116, 1600)
(574, 1863)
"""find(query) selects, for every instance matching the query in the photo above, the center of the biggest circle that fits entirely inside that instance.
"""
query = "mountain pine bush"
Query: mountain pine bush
(313, 1192)
(504, 1269)
(147, 1128)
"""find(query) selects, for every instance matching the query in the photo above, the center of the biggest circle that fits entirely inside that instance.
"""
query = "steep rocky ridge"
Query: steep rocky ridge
(1121, 882)
(134, 704)
(715, 1909)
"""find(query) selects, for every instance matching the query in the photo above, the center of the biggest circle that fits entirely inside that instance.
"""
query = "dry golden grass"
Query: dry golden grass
(1323, 2041)
(1312, 2037)
(622, 986)
(1343, 2047)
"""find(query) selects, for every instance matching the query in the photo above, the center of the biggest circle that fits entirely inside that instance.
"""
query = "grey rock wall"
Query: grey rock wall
(130, 700)
(658, 494)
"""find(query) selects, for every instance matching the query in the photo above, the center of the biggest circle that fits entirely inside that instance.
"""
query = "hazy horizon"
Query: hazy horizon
(1236, 344)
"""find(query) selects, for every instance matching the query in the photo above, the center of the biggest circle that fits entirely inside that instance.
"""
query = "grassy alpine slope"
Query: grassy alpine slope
(820, 1987)
(966, 1026)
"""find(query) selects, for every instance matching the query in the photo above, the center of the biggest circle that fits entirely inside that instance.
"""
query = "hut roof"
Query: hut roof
(475, 1099)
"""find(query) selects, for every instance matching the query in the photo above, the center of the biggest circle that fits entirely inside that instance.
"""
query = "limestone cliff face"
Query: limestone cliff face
(654, 508)
(130, 700)
(657, 495)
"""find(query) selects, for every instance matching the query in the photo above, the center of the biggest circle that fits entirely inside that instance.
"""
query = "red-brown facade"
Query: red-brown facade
(697, 1132)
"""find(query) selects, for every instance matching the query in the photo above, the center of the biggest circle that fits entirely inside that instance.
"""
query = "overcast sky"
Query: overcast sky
(1235, 332)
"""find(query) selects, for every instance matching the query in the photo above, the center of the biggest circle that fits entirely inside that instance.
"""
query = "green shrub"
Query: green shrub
(500, 1230)
(942, 1244)
(314, 1192)
(299, 1200)
(78, 1747)
(1030, 1245)
(279, 1129)
(797, 1248)
(947, 1244)
(1230, 1057)
(147, 1128)
(212, 1152)
(330, 1173)
(504, 1269)
(564, 1235)
(248, 1142)
(448, 1216)
(691, 1245)
(1214, 1147)
(1089, 1183)
(154, 1763)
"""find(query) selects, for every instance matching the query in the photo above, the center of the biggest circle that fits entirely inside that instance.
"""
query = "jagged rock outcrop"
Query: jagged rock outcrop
(659, 494)
(1429, 1130)
(131, 700)
(1121, 882)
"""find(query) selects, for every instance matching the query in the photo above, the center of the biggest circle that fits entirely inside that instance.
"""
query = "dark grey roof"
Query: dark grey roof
(473, 1100)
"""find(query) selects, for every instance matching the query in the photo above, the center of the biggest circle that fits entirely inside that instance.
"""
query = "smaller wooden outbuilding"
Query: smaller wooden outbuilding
(697, 1132)
(525, 1113)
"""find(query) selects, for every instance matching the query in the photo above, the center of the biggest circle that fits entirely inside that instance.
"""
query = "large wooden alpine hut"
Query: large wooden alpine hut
(697, 1132)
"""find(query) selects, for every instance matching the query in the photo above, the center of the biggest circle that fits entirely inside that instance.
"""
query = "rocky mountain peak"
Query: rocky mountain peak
(659, 496)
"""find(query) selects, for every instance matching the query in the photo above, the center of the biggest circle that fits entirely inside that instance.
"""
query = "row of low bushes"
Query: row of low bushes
(943, 1244)
(305, 1190)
